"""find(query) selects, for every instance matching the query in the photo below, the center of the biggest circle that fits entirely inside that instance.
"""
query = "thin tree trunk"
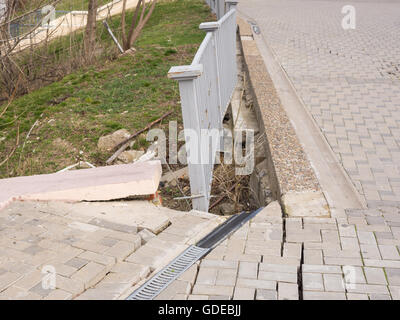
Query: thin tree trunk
(142, 22)
(90, 32)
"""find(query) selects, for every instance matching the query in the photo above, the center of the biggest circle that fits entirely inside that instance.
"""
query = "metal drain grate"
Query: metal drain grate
(152, 288)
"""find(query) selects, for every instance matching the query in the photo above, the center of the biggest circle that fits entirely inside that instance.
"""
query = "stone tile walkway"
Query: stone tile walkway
(348, 79)
(271, 258)
(90, 250)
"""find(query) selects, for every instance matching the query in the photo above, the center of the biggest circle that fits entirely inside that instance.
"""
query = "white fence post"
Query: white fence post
(206, 87)
(186, 76)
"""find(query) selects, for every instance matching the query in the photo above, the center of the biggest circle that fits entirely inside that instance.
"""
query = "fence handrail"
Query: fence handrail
(206, 87)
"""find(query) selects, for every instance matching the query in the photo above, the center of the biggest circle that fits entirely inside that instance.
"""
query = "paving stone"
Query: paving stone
(281, 260)
(311, 295)
(27, 281)
(313, 256)
(219, 264)
(389, 252)
(198, 297)
(288, 291)
(219, 297)
(341, 253)
(258, 284)
(38, 289)
(353, 274)
(90, 246)
(109, 242)
(242, 293)
(213, 290)
(248, 270)
(395, 292)
(369, 251)
(321, 246)
(176, 287)
(226, 277)
(207, 276)
(334, 283)
(330, 236)
(277, 276)
(99, 258)
(121, 250)
(264, 250)
(375, 296)
(367, 288)
(278, 268)
(306, 268)
(375, 275)
(72, 286)
(263, 294)
(357, 296)
(190, 274)
(347, 230)
(146, 235)
(58, 294)
(242, 257)
(343, 261)
(77, 263)
(382, 263)
(366, 237)
(393, 276)
(14, 293)
(350, 243)
(312, 281)
(292, 250)
(304, 236)
(97, 294)
(90, 274)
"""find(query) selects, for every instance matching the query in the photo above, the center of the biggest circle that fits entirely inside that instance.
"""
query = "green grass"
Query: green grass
(67, 5)
(128, 92)
(78, 5)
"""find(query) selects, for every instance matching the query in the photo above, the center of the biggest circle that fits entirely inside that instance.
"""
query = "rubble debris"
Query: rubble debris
(110, 141)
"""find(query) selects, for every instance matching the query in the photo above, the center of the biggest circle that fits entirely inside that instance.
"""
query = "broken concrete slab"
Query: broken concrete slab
(122, 215)
(102, 183)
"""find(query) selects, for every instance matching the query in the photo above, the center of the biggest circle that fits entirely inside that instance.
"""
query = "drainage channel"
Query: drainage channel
(160, 281)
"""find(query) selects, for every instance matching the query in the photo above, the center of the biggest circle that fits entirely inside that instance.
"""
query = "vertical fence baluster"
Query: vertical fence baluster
(206, 87)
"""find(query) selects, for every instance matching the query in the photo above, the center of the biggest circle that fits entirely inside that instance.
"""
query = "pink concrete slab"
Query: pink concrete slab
(103, 183)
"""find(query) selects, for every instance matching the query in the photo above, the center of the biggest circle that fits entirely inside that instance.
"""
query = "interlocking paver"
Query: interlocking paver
(248, 270)
(375, 275)
(313, 282)
(288, 291)
(242, 293)
(334, 283)
(393, 276)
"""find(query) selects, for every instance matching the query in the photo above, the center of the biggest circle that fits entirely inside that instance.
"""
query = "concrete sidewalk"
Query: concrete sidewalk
(348, 80)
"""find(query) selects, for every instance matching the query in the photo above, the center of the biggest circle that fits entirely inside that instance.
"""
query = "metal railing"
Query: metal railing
(206, 87)
(218, 7)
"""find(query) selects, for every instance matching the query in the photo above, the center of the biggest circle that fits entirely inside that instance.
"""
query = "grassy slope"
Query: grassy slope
(126, 93)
